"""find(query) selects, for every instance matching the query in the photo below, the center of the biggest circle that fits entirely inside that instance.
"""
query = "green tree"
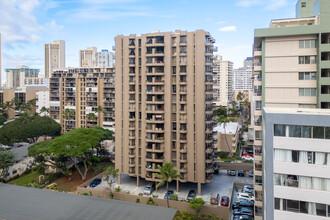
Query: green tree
(197, 204)
(99, 111)
(184, 215)
(69, 114)
(166, 174)
(110, 175)
(6, 107)
(6, 160)
(45, 110)
(29, 127)
(220, 111)
(91, 117)
(246, 103)
(77, 146)
(225, 120)
(240, 96)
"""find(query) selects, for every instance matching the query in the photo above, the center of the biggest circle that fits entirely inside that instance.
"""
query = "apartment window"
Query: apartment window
(307, 59)
(258, 135)
(307, 91)
(258, 105)
(149, 59)
(183, 39)
(306, 131)
(132, 42)
(132, 52)
(318, 132)
(183, 69)
(294, 131)
(173, 69)
(131, 60)
(183, 49)
(279, 130)
(307, 43)
(307, 76)
(183, 60)
(303, 4)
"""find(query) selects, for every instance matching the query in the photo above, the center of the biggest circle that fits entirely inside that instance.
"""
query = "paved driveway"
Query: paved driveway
(222, 184)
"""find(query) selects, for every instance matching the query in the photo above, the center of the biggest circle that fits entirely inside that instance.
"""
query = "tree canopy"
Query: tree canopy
(76, 146)
(6, 160)
(25, 127)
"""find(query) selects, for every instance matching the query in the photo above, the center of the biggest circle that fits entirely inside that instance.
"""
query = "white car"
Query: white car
(247, 158)
(245, 196)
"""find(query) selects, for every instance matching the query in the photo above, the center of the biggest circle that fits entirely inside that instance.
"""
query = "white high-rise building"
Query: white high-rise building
(54, 57)
(19, 76)
(296, 163)
(42, 101)
(222, 81)
(242, 79)
(91, 58)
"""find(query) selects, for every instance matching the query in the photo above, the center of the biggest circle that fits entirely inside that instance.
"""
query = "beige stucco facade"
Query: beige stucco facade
(227, 138)
(164, 104)
(54, 57)
(82, 90)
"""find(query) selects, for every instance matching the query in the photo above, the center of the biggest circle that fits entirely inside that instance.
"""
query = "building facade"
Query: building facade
(54, 57)
(291, 69)
(91, 58)
(24, 94)
(222, 81)
(42, 101)
(297, 171)
(242, 79)
(18, 76)
(226, 137)
(77, 93)
(164, 101)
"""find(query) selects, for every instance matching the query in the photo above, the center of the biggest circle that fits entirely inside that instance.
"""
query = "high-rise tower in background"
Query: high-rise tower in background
(164, 104)
(91, 58)
(292, 70)
(54, 57)
(222, 81)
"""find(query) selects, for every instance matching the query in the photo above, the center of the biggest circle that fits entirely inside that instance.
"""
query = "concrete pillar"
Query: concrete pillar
(137, 181)
(199, 189)
(177, 185)
(119, 178)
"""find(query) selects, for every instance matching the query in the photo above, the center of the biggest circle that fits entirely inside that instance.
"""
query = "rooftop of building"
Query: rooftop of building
(230, 128)
(302, 111)
(29, 203)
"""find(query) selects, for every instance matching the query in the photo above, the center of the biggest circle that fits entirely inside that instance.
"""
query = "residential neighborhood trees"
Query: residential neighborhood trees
(28, 127)
(6, 160)
(110, 175)
(77, 147)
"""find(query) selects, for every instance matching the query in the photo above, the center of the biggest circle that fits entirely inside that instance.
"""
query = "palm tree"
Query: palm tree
(69, 113)
(110, 174)
(225, 120)
(16, 102)
(240, 96)
(166, 174)
(45, 110)
(99, 111)
(91, 117)
(6, 107)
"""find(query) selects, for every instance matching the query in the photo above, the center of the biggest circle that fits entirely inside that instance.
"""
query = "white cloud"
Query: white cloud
(228, 28)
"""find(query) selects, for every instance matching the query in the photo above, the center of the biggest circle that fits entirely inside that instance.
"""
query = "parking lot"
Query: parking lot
(221, 184)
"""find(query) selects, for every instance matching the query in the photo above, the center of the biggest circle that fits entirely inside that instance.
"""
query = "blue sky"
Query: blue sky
(26, 25)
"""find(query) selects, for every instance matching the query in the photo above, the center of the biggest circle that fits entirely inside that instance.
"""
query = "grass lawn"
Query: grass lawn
(26, 179)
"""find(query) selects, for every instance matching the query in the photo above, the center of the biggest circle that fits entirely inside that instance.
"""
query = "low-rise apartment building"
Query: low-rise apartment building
(226, 136)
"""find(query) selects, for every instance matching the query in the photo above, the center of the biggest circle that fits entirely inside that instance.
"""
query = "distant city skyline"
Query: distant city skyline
(27, 25)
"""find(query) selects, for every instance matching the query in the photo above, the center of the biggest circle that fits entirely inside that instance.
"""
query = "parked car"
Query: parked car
(191, 195)
(236, 217)
(248, 186)
(247, 158)
(170, 193)
(241, 204)
(246, 217)
(250, 173)
(248, 190)
(240, 173)
(243, 211)
(214, 199)
(224, 201)
(232, 172)
(95, 182)
(149, 189)
(246, 196)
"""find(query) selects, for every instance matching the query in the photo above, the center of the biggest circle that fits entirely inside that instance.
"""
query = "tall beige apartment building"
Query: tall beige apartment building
(164, 104)
(76, 93)
(222, 81)
(54, 57)
(291, 70)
